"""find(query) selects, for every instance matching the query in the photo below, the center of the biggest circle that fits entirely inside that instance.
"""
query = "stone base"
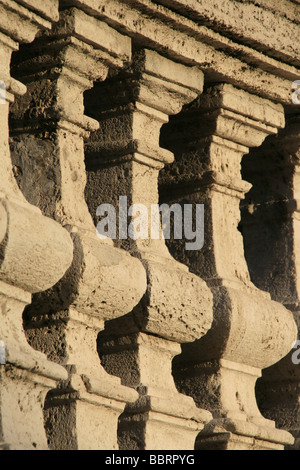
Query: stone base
(84, 414)
(227, 434)
(75, 424)
(155, 431)
(155, 423)
(22, 395)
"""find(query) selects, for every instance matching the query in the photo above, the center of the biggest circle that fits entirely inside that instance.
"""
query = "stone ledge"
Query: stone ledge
(47, 9)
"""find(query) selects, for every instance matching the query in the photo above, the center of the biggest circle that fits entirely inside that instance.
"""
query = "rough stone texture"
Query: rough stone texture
(177, 305)
(103, 282)
(35, 254)
(252, 24)
(270, 221)
(183, 40)
(142, 344)
(218, 370)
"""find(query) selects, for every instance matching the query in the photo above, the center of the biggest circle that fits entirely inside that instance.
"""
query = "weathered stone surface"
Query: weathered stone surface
(177, 305)
(35, 253)
(22, 24)
(144, 362)
(270, 223)
(230, 434)
(250, 24)
(103, 282)
(186, 41)
(218, 370)
(85, 106)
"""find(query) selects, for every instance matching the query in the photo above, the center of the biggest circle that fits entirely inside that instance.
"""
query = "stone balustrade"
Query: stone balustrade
(111, 112)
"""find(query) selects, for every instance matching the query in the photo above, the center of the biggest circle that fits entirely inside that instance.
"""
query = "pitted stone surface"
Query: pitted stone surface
(140, 343)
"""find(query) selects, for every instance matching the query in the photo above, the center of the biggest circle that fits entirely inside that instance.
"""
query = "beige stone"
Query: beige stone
(142, 343)
(270, 221)
(35, 253)
(187, 41)
(221, 369)
(177, 305)
(103, 282)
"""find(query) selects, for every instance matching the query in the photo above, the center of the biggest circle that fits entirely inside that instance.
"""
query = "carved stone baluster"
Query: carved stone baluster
(35, 252)
(104, 282)
(124, 159)
(270, 224)
(250, 331)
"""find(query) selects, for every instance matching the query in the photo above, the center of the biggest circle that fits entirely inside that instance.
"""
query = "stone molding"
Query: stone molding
(177, 101)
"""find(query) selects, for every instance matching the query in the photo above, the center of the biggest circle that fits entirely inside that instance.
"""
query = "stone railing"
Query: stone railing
(135, 342)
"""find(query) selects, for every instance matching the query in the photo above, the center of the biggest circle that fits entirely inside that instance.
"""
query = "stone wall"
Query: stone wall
(136, 342)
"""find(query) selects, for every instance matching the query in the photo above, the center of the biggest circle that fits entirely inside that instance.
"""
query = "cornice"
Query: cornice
(266, 66)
